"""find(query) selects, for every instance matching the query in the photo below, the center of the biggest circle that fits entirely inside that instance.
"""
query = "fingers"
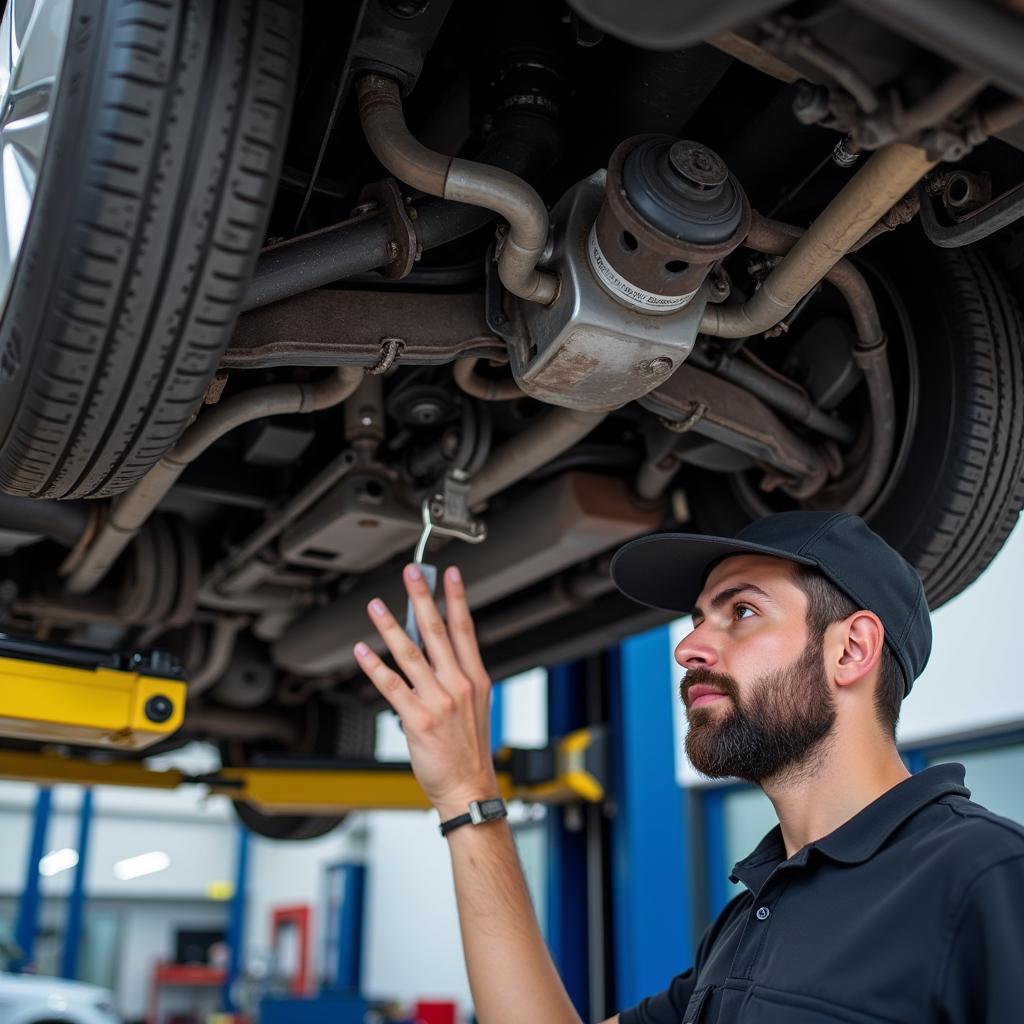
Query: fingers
(408, 657)
(461, 629)
(391, 686)
(428, 618)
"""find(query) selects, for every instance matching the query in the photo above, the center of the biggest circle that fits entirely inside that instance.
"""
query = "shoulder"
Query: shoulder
(961, 839)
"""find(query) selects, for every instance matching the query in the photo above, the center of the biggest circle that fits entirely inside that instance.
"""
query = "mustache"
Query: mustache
(704, 676)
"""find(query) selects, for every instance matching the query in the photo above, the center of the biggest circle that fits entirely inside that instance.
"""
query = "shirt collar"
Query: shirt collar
(859, 838)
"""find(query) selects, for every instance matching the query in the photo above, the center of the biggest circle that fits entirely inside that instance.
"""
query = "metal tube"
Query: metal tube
(465, 181)
(549, 435)
(469, 381)
(217, 655)
(62, 521)
(776, 239)
(883, 180)
(131, 509)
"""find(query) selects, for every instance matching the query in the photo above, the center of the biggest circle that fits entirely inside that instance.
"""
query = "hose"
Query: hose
(131, 509)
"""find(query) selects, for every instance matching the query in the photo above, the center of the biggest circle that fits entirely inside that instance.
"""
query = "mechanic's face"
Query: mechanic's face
(757, 698)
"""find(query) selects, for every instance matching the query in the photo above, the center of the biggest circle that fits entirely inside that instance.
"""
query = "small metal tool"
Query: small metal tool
(446, 514)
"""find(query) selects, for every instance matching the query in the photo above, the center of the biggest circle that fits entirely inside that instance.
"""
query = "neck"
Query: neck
(846, 775)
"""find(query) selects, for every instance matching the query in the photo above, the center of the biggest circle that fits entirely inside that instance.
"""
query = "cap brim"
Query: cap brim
(668, 570)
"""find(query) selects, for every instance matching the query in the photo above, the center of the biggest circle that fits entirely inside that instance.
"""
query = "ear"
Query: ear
(862, 636)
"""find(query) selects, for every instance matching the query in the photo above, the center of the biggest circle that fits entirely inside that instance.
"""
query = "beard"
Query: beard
(777, 735)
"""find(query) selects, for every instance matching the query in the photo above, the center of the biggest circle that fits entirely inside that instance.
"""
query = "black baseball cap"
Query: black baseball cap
(668, 570)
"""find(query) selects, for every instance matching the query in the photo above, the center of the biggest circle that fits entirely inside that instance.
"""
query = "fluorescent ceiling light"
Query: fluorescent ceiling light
(143, 864)
(57, 861)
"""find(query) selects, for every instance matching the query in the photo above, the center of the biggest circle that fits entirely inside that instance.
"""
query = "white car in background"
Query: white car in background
(28, 999)
(31, 999)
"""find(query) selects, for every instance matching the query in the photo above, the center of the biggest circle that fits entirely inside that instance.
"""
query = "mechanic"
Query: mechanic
(879, 896)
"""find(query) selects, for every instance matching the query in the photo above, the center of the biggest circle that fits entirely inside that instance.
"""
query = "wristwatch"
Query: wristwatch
(479, 812)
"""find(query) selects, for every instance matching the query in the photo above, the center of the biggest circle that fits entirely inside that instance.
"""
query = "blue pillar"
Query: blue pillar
(651, 887)
(76, 901)
(497, 716)
(716, 869)
(349, 973)
(28, 904)
(566, 928)
(236, 918)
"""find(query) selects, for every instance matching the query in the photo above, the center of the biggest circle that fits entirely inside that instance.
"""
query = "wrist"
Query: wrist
(454, 804)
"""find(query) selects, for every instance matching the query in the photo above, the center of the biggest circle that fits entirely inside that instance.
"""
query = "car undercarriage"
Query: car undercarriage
(543, 278)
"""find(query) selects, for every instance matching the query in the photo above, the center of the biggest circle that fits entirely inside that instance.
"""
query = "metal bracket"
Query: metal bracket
(403, 245)
(447, 514)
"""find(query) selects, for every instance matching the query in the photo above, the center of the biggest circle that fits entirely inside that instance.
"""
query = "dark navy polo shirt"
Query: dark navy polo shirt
(911, 911)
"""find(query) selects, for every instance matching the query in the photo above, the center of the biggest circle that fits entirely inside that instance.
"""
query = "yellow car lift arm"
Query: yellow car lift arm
(570, 770)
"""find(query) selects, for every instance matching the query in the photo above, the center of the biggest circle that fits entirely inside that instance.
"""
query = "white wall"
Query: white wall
(974, 678)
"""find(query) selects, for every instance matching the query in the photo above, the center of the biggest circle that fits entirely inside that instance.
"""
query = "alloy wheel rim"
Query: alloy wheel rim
(33, 37)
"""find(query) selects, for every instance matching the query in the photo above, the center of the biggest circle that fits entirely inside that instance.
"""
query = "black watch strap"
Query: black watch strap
(479, 812)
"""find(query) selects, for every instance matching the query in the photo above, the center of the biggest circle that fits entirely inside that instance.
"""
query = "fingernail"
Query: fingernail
(377, 606)
(413, 572)
(454, 576)
(362, 650)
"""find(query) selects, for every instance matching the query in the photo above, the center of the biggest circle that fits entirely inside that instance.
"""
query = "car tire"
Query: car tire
(166, 134)
(346, 730)
(956, 343)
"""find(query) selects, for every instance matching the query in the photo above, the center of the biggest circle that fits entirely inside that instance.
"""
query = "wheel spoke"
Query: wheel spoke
(6, 256)
(6, 51)
(17, 199)
(33, 36)
(28, 136)
(41, 46)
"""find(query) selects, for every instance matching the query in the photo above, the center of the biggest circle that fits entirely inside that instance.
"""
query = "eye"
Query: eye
(739, 611)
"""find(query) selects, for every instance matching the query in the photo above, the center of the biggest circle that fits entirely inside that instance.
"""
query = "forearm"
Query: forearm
(510, 970)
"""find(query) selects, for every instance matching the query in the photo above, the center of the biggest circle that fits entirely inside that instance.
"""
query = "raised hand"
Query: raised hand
(442, 695)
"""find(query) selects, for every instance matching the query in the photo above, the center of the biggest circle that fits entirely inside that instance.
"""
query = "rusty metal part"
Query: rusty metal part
(647, 257)
(902, 212)
(734, 417)
(464, 181)
(589, 350)
(356, 328)
(876, 187)
(787, 41)
(403, 245)
(380, 113)
(131, 509)
(555, 526)
(485, 388)
(965, 192)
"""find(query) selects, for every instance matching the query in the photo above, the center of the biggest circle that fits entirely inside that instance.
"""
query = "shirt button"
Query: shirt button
(762, 913)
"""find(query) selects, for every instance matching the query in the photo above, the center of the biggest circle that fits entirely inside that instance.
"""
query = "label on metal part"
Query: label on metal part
(649, 302)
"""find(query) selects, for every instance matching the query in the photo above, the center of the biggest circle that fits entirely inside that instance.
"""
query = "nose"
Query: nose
(695, 651)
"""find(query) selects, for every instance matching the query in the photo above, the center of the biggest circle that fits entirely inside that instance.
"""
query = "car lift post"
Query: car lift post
(568, 913)
(236, 919)
(653, 896)
(28, 904)
(76, 900)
